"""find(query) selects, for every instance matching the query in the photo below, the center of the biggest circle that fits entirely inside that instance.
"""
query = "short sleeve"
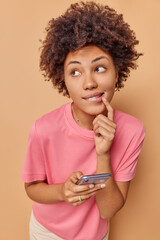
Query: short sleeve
(126, 169)
(34, 166)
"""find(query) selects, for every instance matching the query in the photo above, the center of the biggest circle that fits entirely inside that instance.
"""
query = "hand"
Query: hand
(104, 129)
(71, 191)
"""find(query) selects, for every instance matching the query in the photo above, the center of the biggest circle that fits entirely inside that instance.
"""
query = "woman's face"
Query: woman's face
(89, 74)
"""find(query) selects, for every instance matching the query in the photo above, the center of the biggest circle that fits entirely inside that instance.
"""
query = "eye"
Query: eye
(100, 69)
(75, 73)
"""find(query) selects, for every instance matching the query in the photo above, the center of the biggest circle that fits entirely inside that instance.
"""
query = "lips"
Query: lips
(97, 97)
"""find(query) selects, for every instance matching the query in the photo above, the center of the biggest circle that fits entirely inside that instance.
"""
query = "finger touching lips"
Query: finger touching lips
(109, 108)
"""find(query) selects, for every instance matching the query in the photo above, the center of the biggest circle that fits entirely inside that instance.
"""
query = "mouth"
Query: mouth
(95, 97)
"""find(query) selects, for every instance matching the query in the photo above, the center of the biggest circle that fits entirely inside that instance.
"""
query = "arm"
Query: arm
(112, 198)
(41, 192)
(68, 191)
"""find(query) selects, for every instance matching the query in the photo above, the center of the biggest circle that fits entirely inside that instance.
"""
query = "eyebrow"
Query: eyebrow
(72, 62)
(99, 58)
(94, 60)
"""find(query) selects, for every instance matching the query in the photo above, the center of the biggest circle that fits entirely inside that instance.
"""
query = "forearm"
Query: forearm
(110, 199)
(68, 191)
(42, 192)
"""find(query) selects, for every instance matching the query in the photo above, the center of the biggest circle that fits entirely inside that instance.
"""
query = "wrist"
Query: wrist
(105, 156)
(61, 192)
(56, 191)
(103, 163)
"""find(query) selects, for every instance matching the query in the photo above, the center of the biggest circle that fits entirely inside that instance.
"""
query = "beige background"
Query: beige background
(25, 97)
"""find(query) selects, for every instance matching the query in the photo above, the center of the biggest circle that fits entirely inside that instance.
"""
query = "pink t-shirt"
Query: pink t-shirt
(58, 146)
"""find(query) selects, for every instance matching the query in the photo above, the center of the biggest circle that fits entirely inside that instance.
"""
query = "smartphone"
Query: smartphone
(94, 179)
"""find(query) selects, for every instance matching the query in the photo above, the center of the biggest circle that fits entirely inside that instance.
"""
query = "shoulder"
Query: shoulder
(47, 123)
(53, 115)
(128, 124)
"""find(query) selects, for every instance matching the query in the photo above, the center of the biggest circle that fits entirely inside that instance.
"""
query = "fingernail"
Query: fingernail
(91, 186)
(103, 185)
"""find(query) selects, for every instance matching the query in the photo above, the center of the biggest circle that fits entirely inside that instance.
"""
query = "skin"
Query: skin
(87, 71)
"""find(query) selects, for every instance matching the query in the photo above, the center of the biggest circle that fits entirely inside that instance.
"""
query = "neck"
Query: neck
(83, 119)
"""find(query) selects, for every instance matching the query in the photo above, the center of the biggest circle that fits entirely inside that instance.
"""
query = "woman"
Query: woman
(87, 54)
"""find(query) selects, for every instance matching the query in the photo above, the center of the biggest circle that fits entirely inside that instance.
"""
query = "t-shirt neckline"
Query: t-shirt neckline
(83, 132)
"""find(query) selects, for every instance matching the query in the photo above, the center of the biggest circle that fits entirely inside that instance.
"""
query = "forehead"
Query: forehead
(87, 53)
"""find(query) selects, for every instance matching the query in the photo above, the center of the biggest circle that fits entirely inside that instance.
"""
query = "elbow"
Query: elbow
(109, 213)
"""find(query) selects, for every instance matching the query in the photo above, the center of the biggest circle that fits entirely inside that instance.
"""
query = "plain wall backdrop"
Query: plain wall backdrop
(25, 96)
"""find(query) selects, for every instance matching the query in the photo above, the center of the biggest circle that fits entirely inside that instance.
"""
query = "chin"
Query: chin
(96, 110)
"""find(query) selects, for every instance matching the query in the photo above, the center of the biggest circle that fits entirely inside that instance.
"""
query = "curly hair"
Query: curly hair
(81, 25)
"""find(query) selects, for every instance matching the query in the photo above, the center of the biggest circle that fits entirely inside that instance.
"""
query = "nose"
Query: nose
(89, 82)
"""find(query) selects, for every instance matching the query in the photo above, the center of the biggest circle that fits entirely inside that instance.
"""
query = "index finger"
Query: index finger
(109, 109)
(82, 188)
(89, 188)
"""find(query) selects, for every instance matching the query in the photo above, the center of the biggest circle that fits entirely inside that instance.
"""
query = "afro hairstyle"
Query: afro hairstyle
(83, 24)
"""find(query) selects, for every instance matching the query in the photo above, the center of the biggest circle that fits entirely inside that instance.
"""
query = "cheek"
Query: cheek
(109, 89)
(109, 85)
(68, 85)
(72, 89)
